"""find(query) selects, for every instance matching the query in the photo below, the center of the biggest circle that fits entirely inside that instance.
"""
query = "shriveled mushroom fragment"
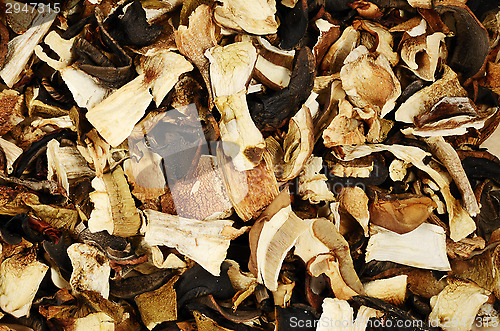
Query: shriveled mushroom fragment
(407, 249)
(206, 242)
(312, 184)
(114, 209)
(456, 307)
(355, 201)
(328, 34)
(11, 110)
(277, 237)
(384, 40)
(334, 59)
(426, 98)
(60, 46)
(159, 305)
(346, 128)
(20, 277)
(392, 290)
(423, 53)
(257, 17)
(21, 47)
(337, 315)
(368, 80)
(11, 151)
(90, 269)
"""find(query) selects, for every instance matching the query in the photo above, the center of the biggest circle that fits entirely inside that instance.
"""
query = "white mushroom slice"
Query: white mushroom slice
(334, 59)
(392, 290)
(255, 17)
(206, 242)
(162, 71)
(95, 321)
(91, 269)
(312, 184)
(277, 237)
(461, 224)
(61, 122)
(327, 264)
(407, 249)
(426, 4)
(20, 277)
(65, 164)
(308, 245)
(398, 169)
(355, 201)
(60, 46)
(86, 90)
(384, 41)
(456, 307)
(289, 3)
(337, 315)
(114, 207)
(426, 98)
(272, 75)
(21, 47)
(11, 151)
(363, 316)
(299, 142)
(115, 117)
(368, 80)
(422, 54)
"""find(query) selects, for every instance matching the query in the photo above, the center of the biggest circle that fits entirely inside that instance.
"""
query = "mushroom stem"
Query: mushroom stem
(450, 159)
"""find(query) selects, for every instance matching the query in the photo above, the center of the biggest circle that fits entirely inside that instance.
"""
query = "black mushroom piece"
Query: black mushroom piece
(294, 22)
(270, 112)
(129, 287)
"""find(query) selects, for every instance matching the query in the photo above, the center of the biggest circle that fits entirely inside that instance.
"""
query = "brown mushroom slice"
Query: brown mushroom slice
(22, 47)
(20, 277)
(308, 245)
(299, 142)
(11, 152)
(328, 34)
(145, 175)
(91, 269)
(461, 223)
(312, 184)
(159, 305)
(256, 17)
(400, 213)
(423, 53)
(65, 164)
(11, 110)
(368, 80)
(463, 249)
(346, 128)
(457, 305)
(355, 201)
(392, 290)
(383, 38)
(337, 315)
(407, 249)
(450, 159)
(205, 242)
(338, 52)
(423, 100)
(277, 237)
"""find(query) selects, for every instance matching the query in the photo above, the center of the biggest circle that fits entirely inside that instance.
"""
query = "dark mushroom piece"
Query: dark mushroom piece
(128, 288)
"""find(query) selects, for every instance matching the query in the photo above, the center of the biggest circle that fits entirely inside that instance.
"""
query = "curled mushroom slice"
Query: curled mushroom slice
(90, 269)
(423, 53)
(20, 277)
(368, 80)
(392, 290)
(308, 245)
(459, 301)
(346, 128)
(328, 34)
(407, 249)
(423, 100)
(206, 242)
(384, 41)
(22, 47)
(338, 52)
(257, 17)
(313, 185)
(355, 201)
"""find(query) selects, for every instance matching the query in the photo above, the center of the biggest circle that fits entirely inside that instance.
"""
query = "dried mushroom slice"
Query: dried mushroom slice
(346, 128)
(338, 52)
(313, 185)
(335, 311)
(392, 290)
(257, 17)
(12, 105)
(423, 53)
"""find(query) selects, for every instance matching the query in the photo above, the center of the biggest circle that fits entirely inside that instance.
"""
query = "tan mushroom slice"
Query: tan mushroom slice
(145, 175)
(250, 191)
(423, 53)
(337, 315)
(114, 207)
(206, 242)
(22, 47)
(355, 201)
(299, 142)
(11, 151)
(338, 52)
(328, 34)
(312, 184)
(277, 237)
(426, 98)
(66, 164)
(282, 296)
(368, 80)
(61, 122)
(463, 249)
(383, 38)
(91, 269)
(96, 321)
(461, 223)
(450, 159)
(11, 110)
(20, 277)
(60, 46)
(346, 128)
(392, 290)
(308, 245)
(407, 249)
(159, 305)
(243, 282)
(161, 71)
(456, 307)
(256, 17)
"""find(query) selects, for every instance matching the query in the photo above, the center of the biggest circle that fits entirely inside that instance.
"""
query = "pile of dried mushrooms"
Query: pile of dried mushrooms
(250, 165)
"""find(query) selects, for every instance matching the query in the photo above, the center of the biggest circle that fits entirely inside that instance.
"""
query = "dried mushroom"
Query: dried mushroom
(255, 18)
